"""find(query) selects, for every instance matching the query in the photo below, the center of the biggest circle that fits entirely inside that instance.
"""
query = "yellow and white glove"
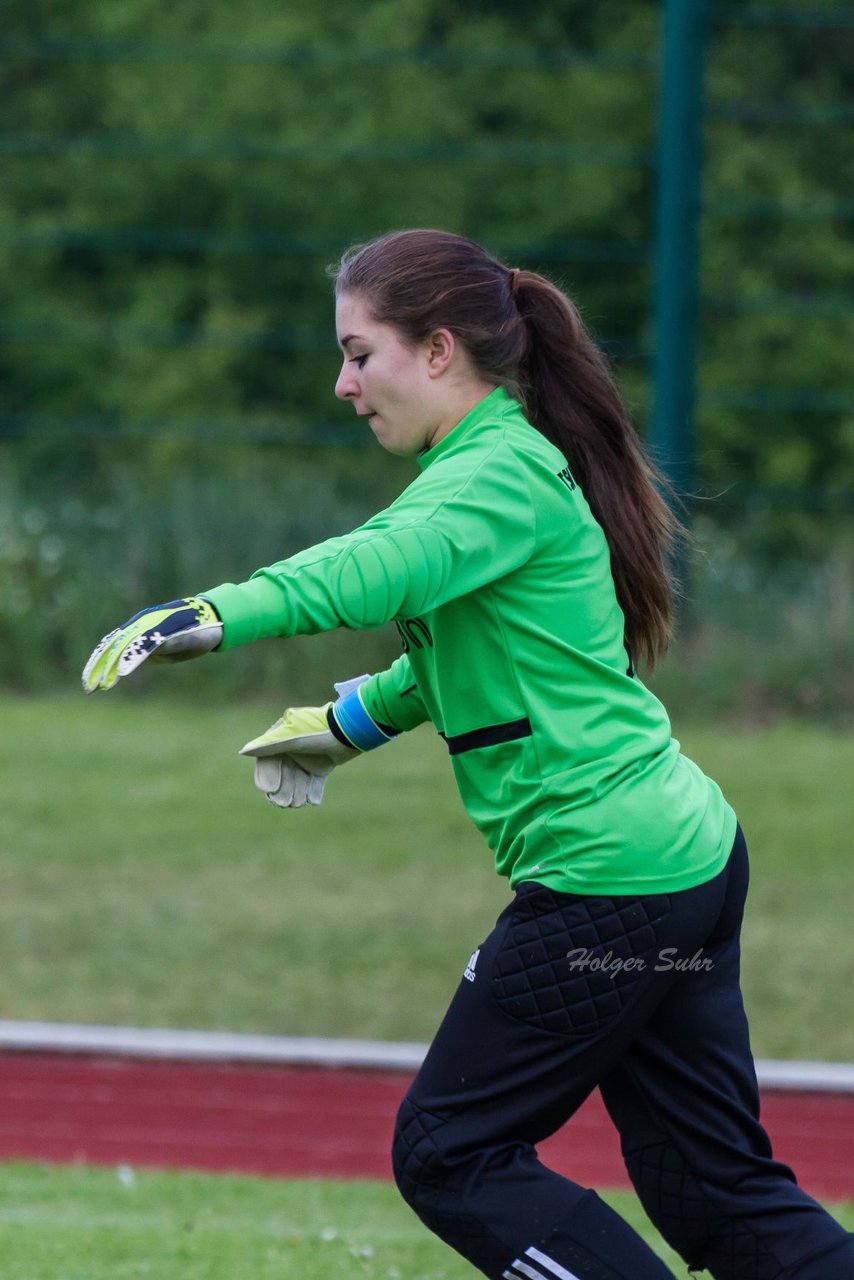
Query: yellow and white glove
(296, 755)
(169, 632)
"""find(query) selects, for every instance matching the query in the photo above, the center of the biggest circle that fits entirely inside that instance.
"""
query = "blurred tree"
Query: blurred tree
(175, 184)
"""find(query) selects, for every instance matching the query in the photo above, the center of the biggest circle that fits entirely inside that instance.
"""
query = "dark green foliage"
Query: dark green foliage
(175, 183)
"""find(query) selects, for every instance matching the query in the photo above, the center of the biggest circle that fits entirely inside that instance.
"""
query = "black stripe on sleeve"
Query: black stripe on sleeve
(488, 737)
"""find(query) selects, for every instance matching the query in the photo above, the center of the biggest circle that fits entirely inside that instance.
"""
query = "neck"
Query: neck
(457, 409)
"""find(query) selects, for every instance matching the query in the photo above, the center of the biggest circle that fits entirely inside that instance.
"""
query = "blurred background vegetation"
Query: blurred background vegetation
(174, 185)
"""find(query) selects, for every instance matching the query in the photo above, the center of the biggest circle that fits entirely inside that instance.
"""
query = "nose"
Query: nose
(346, 385)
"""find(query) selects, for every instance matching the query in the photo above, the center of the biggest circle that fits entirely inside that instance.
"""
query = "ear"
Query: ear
(441, 347)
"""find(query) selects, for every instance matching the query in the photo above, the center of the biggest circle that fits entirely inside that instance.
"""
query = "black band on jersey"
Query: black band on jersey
(488, 737)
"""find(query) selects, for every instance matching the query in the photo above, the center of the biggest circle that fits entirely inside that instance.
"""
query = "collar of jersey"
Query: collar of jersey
(491, 408)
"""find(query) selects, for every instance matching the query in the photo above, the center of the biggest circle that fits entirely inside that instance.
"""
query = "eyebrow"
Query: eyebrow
(351, 337)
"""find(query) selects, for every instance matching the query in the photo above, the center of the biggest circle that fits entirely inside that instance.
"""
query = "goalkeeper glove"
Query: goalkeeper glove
(296, 755)
(172, 632)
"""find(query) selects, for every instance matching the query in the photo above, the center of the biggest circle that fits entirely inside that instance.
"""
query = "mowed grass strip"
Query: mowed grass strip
(99, 1224)
(95, 1224)
(145, 881)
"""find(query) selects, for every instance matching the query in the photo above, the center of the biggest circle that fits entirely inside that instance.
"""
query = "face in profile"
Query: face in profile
(390, 383)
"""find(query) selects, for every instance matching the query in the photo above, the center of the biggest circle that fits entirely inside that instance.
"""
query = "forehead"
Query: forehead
(352, 318)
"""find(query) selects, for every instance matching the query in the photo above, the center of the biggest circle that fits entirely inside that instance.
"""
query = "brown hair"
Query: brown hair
(523, 333)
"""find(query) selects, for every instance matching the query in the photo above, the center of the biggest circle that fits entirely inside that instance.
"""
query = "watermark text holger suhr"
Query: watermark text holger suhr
(585, 960)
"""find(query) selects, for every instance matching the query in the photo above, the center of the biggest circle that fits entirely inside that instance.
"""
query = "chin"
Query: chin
(403, 450)
(400, 448)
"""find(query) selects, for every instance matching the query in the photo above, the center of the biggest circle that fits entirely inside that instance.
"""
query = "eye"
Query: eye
(359, 360)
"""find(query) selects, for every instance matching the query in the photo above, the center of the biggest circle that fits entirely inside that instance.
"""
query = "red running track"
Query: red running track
(299, 1121)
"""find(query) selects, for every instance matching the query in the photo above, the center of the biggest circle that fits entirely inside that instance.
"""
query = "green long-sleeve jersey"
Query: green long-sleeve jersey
(499, 580)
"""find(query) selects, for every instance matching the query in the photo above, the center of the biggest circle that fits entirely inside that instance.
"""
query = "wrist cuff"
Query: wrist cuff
(360, 730)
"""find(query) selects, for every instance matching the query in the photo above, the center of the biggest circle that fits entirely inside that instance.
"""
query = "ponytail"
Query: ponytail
(523, 333)
(571, 397)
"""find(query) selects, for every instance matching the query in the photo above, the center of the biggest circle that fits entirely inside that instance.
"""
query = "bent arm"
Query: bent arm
(392, 698)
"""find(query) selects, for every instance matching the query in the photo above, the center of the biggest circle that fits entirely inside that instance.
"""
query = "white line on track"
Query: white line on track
(387, 1055)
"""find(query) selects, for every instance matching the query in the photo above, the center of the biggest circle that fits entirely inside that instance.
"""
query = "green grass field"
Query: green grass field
(101, 1224)
(145, 881)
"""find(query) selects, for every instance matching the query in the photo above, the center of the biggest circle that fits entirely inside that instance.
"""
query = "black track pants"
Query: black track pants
(640, 996)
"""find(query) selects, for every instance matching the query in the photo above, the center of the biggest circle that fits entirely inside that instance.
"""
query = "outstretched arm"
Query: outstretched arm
(428, 547)
(445, 536)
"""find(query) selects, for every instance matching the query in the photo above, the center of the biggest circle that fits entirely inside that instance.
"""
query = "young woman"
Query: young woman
(526, 567)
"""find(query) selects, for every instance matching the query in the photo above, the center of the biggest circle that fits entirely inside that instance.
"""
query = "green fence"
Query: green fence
(171, 196)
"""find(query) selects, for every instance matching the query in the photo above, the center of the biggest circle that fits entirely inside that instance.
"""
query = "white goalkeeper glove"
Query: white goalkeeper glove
(296, 755)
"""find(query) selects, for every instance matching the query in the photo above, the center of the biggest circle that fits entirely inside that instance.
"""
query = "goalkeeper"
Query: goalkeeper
(525, 567)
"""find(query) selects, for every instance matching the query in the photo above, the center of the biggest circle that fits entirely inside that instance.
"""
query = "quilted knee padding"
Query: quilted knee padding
(416, 1157)
(690, 1222)
(445, 1187)
(434, 1186)
(569, 964)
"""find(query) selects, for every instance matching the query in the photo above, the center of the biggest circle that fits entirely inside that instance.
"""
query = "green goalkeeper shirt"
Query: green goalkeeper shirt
(499, 580)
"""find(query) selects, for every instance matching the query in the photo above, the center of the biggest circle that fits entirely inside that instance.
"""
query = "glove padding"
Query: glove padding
(172, 632)
(286, 784)
(296, 755)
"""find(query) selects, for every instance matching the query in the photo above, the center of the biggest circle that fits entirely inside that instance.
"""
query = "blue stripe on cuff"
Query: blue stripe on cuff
(353, 721)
